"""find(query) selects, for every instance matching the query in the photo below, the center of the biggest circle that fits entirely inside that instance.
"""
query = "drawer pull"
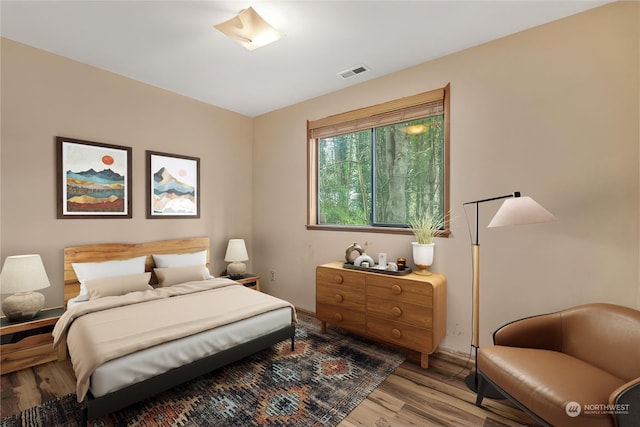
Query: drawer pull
(338, 317)
(338, 278)
(396, 333)
(396, 311)
(339, 298)
(396, 289)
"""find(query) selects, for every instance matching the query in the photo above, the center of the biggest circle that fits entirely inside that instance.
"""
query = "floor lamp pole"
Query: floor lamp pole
(476, 295)
(476, 290)
(471, 380)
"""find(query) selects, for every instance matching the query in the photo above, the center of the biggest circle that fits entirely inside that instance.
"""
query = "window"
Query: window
(380, 167)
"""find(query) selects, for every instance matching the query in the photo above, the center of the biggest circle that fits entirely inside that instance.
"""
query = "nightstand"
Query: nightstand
(28, 343)
(250, 281)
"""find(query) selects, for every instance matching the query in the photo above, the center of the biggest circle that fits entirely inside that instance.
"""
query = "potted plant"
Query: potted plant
(425, 228)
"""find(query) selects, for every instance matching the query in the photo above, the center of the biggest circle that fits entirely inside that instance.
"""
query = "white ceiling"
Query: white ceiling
(173, 45)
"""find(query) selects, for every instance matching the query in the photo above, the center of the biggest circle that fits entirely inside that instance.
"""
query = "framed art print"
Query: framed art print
(93, 179)
(173, 186)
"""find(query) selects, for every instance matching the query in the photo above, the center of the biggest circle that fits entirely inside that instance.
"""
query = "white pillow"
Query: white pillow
(97, 270)
(182, 260)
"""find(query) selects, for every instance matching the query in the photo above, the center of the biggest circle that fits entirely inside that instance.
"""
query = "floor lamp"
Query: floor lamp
(515, 210)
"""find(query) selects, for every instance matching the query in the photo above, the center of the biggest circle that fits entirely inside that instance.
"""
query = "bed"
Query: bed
(128, 340)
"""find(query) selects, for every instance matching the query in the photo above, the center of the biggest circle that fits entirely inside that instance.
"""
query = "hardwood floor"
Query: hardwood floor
(436, 396)
(411, 396)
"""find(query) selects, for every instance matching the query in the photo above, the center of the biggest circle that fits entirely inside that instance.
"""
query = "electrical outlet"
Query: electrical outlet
(273, 276)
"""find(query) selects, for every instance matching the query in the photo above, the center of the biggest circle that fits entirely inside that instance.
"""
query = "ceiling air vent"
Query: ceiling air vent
(353, 71)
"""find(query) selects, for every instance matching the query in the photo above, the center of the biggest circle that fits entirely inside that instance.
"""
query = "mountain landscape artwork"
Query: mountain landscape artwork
(93, 179)
(172, 196)
(174, 185)
(91, 191)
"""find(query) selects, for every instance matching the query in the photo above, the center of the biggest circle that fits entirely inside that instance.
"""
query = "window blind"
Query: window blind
(402, 110)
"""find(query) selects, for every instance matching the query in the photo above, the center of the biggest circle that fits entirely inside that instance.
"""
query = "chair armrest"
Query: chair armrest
(626, 399)
(543, 332)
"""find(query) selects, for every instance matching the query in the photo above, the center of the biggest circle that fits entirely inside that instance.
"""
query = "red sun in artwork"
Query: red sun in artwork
(182, 173)
(107, 160)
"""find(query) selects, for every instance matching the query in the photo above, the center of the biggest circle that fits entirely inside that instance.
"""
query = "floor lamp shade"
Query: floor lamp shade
(519, 211)
(236, 254)
(21, 275)
(515, 210)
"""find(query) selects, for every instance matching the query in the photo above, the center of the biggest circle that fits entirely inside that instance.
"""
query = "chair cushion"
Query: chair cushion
(545, 381)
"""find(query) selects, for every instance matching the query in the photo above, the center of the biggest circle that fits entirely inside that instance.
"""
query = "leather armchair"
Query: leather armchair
(577, 367)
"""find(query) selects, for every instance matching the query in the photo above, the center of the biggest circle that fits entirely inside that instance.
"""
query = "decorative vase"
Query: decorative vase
(423, 257)
(349, 252)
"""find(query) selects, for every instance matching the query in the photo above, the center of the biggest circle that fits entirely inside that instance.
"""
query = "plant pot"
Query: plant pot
(423, 257)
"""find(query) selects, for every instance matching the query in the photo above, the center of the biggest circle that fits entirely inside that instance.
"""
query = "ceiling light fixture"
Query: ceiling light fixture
(249, 29)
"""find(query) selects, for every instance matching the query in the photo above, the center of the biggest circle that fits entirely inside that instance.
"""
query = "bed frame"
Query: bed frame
(95, 407)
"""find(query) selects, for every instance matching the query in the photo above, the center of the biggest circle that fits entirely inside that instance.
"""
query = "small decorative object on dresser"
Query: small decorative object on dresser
(348, 256)
(364, 260)
(409, 311)
(423, 257)
(425, 228)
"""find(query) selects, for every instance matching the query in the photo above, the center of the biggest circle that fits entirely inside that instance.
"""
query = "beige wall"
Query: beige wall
(552, 112)
(45, 95)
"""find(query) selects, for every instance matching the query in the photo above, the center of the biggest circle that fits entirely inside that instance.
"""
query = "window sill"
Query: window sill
(368, 229)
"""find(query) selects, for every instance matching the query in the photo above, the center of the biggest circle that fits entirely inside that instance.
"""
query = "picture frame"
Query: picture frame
(173, 185)
(93, 179)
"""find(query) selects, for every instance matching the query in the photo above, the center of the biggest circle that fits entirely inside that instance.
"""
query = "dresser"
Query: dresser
(409, 311)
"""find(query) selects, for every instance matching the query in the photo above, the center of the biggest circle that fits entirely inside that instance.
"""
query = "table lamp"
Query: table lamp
(515, 210)
(21, 275)
(236, 253)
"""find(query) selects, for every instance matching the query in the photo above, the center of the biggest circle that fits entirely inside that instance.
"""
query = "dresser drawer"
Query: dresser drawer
(341, 317)
(404, 335)
(411, 314)
(340, 296)
(414, 292)
(342, 278)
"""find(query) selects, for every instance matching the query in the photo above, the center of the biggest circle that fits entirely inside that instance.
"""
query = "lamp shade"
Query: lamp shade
(236, 251)
(23, 273)
(519, 211)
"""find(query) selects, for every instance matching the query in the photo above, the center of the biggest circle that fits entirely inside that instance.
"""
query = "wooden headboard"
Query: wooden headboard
(118, 251)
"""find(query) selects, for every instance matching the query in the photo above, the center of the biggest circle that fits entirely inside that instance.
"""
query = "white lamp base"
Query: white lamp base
(23, 305)
(236, 269)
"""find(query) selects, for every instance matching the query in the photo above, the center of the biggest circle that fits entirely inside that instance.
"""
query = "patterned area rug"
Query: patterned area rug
(318, 384)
